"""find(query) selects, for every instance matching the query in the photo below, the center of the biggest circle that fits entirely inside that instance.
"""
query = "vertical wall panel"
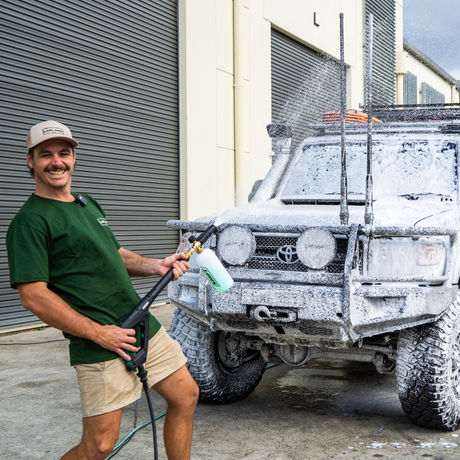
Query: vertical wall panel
(107, 69)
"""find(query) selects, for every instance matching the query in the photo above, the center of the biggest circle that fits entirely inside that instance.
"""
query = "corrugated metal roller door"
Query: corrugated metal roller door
(384, 55)
(108, 69)
(430, 95)
(305, 84)
(410, 88)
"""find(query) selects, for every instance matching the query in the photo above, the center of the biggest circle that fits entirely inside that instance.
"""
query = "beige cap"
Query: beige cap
(49, 130)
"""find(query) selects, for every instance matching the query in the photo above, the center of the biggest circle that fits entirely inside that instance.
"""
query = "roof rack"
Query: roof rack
(416, 112)
(445, 126)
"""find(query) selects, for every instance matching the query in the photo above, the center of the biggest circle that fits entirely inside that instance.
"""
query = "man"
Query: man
(72, 273)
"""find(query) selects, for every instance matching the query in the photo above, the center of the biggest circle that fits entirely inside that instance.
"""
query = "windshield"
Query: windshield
(398, 168)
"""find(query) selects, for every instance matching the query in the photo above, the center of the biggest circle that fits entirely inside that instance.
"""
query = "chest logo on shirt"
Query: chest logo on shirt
(103, 222)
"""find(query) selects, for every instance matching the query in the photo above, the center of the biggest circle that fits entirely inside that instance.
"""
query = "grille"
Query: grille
(306, 327)
(265, 257)
(242, 324)
(309, 328)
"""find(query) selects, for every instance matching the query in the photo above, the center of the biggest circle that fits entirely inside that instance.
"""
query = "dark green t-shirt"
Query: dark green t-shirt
(72, 248)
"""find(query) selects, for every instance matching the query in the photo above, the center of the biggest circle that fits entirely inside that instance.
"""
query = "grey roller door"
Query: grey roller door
(305, 84)
(108, 69)
(384, 55)
(410, 90)
(431, 95)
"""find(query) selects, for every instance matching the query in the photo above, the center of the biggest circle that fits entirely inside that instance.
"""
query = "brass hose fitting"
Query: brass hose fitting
(196, 246)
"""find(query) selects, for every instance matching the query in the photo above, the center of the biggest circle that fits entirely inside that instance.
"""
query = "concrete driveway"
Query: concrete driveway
(328, 410)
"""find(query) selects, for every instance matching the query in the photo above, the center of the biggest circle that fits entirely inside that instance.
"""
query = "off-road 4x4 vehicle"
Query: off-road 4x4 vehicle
(309, 287)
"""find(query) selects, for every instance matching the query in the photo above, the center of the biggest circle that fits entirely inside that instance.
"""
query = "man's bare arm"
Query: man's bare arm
(52, 310)
(146, 266)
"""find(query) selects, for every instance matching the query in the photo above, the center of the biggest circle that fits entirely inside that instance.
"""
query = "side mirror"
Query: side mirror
(279, 130)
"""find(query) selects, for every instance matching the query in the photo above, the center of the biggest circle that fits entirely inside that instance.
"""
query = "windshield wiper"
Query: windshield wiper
(328, 198)
(416, 196)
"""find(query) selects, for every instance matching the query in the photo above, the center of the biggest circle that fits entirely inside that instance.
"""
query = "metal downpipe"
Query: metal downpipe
(242, 164)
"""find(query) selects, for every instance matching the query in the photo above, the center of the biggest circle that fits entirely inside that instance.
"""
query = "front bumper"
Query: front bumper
(304, 313)
(335, 308)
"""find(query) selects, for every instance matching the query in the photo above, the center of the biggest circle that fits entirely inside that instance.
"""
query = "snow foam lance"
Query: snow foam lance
(208, 262)
(139, 316)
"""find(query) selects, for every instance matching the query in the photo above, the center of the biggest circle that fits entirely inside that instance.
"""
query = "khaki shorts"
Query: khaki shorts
(108, 386)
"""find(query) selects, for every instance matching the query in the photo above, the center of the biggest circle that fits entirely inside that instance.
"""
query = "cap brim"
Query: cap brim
(70, 140)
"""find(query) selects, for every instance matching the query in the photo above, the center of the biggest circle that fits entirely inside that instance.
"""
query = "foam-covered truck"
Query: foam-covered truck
(381, 287)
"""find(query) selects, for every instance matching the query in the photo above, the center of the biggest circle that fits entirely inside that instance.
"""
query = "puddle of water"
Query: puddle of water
(341, 387)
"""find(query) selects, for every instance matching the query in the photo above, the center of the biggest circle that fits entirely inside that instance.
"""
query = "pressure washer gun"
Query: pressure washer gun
(139, 316)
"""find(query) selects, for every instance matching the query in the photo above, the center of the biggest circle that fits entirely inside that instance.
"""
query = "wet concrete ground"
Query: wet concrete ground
(326, 411)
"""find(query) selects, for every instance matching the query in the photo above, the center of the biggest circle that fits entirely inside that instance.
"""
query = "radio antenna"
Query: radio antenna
(343, 96)
(368, 210)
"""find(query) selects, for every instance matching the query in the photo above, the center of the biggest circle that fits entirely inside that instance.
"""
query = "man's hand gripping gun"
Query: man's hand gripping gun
(139, 316)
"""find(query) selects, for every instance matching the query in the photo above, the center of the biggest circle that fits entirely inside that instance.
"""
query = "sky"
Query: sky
(433, 26)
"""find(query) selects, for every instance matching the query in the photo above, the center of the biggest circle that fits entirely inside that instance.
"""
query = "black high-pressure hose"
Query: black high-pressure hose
(142, 374)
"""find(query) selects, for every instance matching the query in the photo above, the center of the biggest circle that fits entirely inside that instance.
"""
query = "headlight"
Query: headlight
(316, 248)
(408, 256)
(236, 245)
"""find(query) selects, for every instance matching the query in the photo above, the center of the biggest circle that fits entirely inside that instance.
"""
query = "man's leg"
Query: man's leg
(181, 393)
(100, 434)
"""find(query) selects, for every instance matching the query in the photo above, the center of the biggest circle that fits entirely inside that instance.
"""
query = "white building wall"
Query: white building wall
(407, 62)
(425, 74)
(224, 144)
(210, 182)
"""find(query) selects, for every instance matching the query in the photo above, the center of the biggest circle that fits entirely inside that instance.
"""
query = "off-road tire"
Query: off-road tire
(428, 372)
(218, 384)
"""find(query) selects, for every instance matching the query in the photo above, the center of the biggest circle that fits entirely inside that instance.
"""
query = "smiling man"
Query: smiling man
(51, 161)
(72, 273)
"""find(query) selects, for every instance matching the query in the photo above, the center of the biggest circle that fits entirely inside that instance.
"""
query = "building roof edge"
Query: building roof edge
(411, 49)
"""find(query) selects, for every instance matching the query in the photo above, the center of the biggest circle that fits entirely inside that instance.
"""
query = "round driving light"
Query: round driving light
(316, 248)
(236, 245)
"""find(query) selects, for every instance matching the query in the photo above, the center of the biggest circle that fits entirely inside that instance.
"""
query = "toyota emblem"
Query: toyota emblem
(287, 254)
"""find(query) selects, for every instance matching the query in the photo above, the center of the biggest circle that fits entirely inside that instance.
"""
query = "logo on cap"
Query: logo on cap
(52, 131)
